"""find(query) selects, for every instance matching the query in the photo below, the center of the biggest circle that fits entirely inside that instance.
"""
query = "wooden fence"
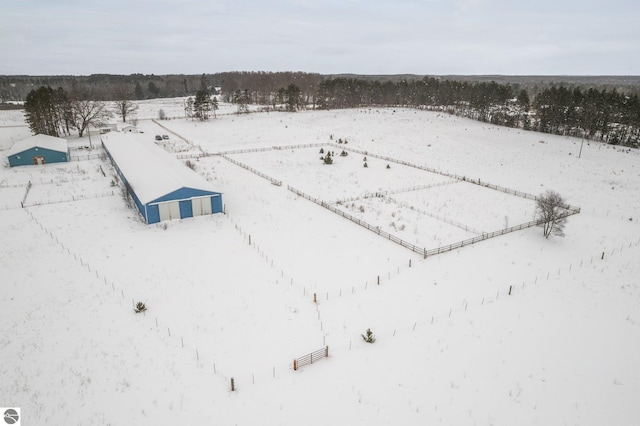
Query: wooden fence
(362, 223)
(251, 169)
(395, 191)
(85, 157)
(569, 210)
(310, 358)
(440, 172)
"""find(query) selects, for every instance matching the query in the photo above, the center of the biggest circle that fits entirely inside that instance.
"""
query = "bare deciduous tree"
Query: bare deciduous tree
(551, 212)
(125, 108)
(88, 112)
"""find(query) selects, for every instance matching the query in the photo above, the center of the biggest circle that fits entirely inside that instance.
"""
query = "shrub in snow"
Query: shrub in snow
(364, 159)
(321, 150)
(368, 336)
(365, 165)
(327, 159)
(388, 166)
(344, 153)
(140, 307)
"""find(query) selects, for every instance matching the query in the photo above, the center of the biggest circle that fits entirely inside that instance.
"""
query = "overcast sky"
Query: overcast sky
(437, 37)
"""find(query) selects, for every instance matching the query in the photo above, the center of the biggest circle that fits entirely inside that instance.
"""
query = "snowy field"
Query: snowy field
(515, 330)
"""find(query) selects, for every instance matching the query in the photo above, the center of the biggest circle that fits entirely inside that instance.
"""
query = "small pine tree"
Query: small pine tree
(388, 166)
(140, 307)
(369, 336)
(364, 159)
(321, 150)
(365, 165)
(328, 159)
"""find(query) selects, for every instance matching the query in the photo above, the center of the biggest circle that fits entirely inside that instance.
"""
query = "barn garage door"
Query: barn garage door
(169, 211)
(201, 206)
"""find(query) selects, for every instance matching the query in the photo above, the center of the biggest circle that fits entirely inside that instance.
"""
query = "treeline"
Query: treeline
(597, 113)
(609, 116)
(107, 87)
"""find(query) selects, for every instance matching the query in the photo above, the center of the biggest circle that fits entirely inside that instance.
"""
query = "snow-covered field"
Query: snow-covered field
(515, 330)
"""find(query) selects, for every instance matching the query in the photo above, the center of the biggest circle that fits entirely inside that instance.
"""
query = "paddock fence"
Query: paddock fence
(440, 172)
(362, 223)
(568, 211)
(252, 170)
(86, 157)
(311, 358)
(69, 199)
(382, 194)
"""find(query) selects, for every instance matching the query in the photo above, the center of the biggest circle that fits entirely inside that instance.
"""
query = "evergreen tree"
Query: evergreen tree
(202, 105)
(139, 91)
(153, 89)
(188, 107)
(47, 111)
(292, 94)
(241, 99)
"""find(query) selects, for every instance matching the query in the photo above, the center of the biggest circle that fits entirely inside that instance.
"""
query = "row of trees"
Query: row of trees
(608, 116)
(56, 113)
(261, 86)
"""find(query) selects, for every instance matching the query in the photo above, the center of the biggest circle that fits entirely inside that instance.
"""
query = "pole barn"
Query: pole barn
(161, 187)
(38, 150)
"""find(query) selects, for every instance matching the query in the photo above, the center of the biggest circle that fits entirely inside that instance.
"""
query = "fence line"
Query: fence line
(440, 172)
(395, 191)
(309, 358)
(99, 156)
(172, 132)
(26, 193)
(421, 250)
(251, 169)
(438, 217)
(362, 223)
(73, 198)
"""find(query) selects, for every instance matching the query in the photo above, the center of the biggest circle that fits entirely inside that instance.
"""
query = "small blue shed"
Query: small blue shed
(38, 149)
(161, 187)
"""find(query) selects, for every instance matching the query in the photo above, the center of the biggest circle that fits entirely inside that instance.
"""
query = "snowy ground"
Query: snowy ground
(232, 295)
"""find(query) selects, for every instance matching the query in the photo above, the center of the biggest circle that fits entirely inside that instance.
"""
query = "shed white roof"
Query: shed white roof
(41, 141)
(150, 170)
(120, 127)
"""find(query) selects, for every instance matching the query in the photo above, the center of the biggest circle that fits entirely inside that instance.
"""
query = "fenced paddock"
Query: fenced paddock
(568, 211)
(422, 209)
(345, 178)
